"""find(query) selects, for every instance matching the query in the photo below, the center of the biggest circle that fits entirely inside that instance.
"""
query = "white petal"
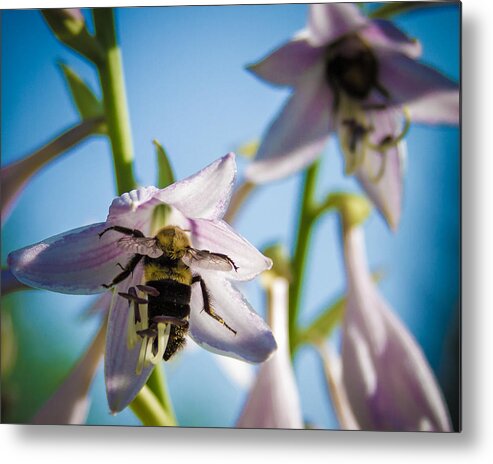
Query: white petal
(122, 381)
(431, 97)
(287, 64)
(383, 35)
(328, 22)
(76, 262)
(205, 194)
(382, 173)
(219, 237)
(134, 209)
(274, 400)
(253, 341)
(298, 134)
(387, 378)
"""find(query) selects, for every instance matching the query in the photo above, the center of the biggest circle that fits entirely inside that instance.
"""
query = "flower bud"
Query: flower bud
(66, 23)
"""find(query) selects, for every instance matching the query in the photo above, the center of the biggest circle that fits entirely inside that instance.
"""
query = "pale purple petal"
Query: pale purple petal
(122, 381)
(431, 97)
(298, 134)
(76, 262)
(70, 403)
(328, 22)
(387, 378)
(274, 400)
(253, 341)
(382, 34)
(332, 366)
(134, 209)
(381, 174)
(219, 237)
(205, 194)
(287, 64)
(438, 108)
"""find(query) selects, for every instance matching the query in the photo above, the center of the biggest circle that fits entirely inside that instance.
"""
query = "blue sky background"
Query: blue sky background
(187, 87)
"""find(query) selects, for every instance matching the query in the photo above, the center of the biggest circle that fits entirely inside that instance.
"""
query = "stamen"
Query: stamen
(354, 131)
(142, 356)
(162, 342)
(376, 179)
(387, 143)
(133, 298)
(137, 319)
(132, 325)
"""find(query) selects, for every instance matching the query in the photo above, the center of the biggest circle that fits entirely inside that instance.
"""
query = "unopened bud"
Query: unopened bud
(66, 23)
(354, 209)
(281, 266)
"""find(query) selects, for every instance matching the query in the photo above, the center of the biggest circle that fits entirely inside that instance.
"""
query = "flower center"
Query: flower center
(153, 337)
(357, 136)
(351, 67)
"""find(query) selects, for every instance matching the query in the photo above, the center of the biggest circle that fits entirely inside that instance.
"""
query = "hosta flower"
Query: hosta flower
(388, 381)
(361, 79)
(87, 260)
(332, 366)
(274, 401)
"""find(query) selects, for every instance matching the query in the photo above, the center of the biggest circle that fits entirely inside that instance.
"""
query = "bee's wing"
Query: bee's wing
(141, 245)
(204, 259)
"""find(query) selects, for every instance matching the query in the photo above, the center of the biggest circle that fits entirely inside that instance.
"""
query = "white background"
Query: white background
(474, 444)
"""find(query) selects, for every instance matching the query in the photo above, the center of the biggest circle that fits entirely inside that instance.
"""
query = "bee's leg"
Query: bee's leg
(207, 306)
(127, 270)
(123, 230)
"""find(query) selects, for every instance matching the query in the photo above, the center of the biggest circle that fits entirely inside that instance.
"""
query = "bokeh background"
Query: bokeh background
(187, 87)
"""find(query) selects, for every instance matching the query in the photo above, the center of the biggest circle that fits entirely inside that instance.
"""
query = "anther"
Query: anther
(170, 320)
(133, 298)
(148, 289)
(149, 332)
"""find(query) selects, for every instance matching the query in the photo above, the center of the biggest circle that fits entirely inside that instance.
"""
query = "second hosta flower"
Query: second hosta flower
(388, 381)
(361, 79)
(168, 282)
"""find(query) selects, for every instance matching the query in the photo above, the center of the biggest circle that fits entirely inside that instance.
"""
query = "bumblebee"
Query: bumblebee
(162, 318)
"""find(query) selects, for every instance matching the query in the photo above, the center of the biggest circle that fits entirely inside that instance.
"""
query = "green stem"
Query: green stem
(115, 100)
(72, 32)
(149, 410)
(305, 223)
(157, 384)
(388, 10)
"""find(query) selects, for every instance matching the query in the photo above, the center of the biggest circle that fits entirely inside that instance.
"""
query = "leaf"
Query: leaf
(323, 326)
(165, 171)
(86, 103)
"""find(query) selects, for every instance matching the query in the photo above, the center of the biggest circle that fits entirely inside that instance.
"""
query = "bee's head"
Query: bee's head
(173, 241)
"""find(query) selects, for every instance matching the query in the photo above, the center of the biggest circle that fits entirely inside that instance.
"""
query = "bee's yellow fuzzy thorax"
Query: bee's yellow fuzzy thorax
(173, 241)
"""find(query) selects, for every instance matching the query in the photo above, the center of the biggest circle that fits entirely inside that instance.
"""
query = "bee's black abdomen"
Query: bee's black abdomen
(173, 299)
(176, 341)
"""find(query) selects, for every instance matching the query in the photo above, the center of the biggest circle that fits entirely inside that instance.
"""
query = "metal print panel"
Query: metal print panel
(232, 216)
